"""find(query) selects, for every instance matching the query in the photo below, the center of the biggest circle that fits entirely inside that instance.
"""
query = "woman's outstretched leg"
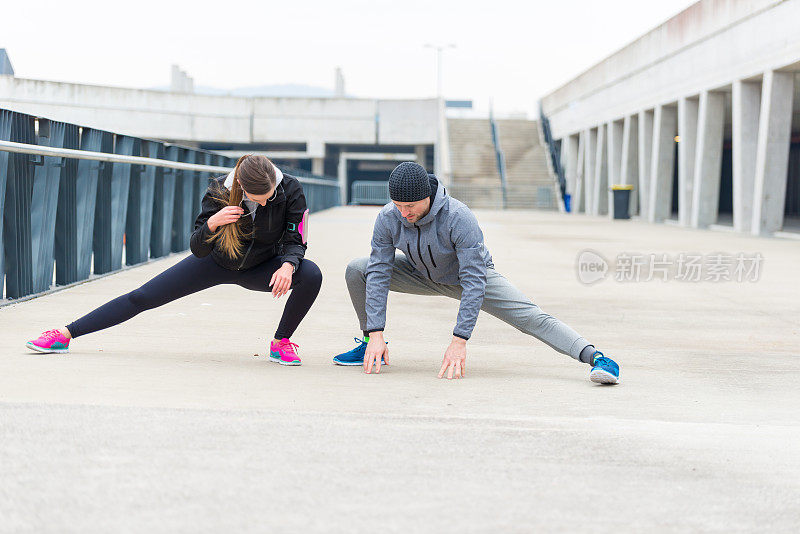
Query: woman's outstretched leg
(190, 275)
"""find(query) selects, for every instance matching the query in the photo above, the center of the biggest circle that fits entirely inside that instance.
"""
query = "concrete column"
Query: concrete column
(421, 151)
(745, 104)
(645, 158)
(614, 160)
(629, 159)
(772, 152)
(687, 132)
(318, 165)
(580, 196)
(588, 172)
(708, 159)
(569, 155)
(342, 175)
(600, 181)
(662, 164)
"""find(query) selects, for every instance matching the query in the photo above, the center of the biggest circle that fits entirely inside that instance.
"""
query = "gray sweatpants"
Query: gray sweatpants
(501, 299)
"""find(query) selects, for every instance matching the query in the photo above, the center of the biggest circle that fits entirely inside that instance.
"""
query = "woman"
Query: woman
(252, 232)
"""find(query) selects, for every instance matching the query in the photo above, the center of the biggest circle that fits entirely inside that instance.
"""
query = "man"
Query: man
(442, 253)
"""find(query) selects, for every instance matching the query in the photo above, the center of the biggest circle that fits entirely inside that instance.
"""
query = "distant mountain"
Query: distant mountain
(263, 90)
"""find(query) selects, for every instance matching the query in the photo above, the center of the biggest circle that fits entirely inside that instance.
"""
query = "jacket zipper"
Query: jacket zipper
(408, 249)
(431, 255)
(247, 253)
(269, 227)
(419, 250)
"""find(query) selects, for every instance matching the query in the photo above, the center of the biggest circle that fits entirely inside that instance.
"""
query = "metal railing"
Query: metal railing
(75, 201)
(501, 159)
(369, 192)
(519, 196)
(555, 154)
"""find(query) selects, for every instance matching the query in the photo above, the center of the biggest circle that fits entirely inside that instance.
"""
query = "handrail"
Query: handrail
(501, 159)
(555, 154)
(41, 150)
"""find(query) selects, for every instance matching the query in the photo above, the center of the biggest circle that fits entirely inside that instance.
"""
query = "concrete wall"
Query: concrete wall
(709, 45)
(202, 118)
(721, 72)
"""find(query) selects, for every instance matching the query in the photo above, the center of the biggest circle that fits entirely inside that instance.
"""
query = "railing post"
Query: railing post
(201, 182)
(66, 228)
(5, 135)
(140, 206)
(19, 189)
(112, 209)
(76, 206)
(184, 196)
(163, 206)
(44, 204)
(17, 211)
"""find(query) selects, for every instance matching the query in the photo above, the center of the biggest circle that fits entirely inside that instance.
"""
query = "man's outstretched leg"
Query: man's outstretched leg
(510, 305)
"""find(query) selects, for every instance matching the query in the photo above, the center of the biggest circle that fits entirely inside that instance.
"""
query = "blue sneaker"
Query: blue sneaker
(605, 370)
(355, 356)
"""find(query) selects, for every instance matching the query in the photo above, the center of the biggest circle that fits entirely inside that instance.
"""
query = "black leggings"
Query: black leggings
(193, 274)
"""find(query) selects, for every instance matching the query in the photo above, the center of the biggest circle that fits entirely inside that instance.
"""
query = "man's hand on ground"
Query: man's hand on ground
(377, 349)
(455, 359)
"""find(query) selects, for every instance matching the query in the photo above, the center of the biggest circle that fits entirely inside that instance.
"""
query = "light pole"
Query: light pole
(439, 160)
(439, 49)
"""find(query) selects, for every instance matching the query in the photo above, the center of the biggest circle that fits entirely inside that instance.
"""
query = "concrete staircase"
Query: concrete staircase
(472, 152)
(476, 179)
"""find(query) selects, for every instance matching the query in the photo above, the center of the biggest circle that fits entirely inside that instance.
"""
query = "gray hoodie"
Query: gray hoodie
(445, 246)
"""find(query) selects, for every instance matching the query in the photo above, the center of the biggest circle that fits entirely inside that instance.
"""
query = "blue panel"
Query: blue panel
(17, 212)
(68, 233)
(44, 204)
(463, 104)
(138, 228)
(5, 135)
(163, 206)
(112, 209)
(182, 218)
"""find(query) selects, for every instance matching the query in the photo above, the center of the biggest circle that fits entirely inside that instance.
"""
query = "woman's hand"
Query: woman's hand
(281, 281)
(226, 215)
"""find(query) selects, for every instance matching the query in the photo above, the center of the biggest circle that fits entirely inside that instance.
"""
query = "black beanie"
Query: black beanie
(409, 182)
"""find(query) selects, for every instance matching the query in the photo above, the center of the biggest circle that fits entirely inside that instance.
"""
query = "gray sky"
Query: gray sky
(511, 52)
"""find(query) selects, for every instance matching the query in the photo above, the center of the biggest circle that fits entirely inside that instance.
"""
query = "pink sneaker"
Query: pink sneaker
(50, 341)
(284, 352)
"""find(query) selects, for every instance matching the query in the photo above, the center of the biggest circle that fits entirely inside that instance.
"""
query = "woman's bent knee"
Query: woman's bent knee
(312, 275)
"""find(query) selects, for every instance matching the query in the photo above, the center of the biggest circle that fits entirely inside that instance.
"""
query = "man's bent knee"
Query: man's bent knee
(356, 269)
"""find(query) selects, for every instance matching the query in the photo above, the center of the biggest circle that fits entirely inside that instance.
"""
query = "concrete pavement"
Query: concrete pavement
(171, 423)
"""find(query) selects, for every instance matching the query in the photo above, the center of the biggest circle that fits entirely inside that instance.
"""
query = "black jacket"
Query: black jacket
(276, 228)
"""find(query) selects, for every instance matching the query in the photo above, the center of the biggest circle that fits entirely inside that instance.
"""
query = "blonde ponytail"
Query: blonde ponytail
(230, 237)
